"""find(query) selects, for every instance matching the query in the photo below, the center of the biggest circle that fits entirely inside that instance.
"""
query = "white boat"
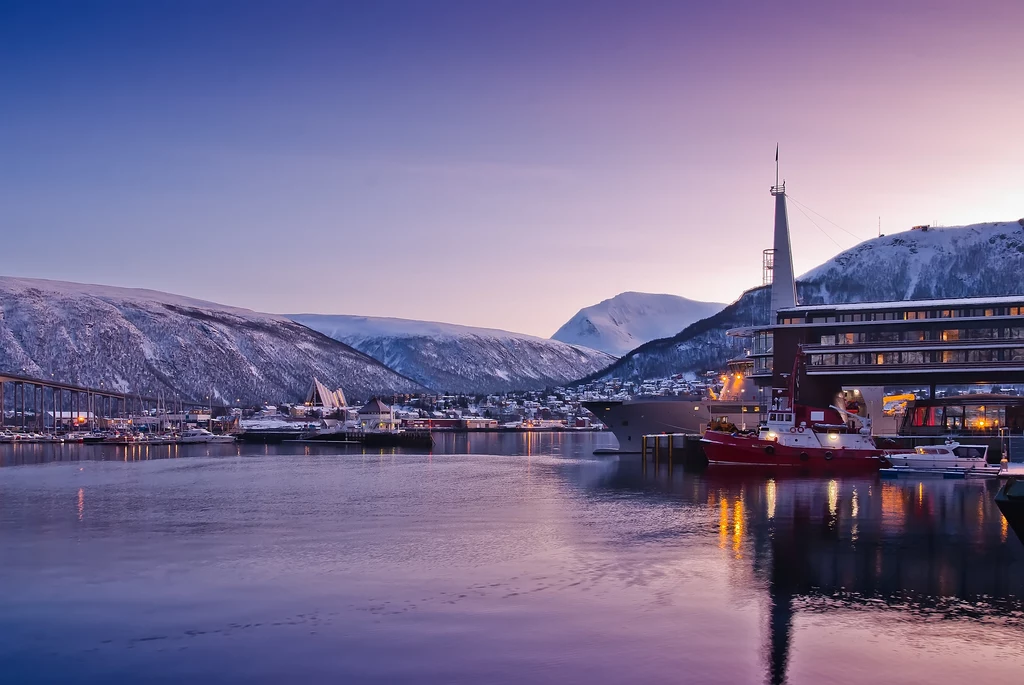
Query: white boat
(201, 435)
(950, 459)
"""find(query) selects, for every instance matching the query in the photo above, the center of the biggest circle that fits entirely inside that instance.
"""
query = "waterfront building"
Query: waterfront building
(327, 400)
(375, 415)
(923, 348)
(903, 364)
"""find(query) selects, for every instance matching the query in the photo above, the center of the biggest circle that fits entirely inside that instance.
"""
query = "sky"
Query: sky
(497, 163)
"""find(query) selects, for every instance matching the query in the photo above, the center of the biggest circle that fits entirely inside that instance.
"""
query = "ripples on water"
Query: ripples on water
(498, 558)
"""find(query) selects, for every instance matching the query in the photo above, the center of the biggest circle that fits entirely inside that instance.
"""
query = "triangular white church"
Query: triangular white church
(320, 396)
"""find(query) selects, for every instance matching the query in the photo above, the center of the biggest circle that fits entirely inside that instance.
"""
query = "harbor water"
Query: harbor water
(495, 558)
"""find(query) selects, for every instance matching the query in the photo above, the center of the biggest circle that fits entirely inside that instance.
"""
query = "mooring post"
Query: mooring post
(670, 441)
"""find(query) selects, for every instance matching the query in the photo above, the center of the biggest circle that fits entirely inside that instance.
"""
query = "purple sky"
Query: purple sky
(489, 163)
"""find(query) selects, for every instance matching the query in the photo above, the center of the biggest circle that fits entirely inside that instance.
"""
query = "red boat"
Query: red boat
(801, 437)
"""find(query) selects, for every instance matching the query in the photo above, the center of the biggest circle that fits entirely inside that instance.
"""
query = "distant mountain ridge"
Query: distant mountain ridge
(153, 343)
(628, 320)
(980, 260)
(455, 358)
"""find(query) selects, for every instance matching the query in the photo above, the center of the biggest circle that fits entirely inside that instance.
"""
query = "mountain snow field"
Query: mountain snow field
(454, 358)
(152, 343)
(628, 320)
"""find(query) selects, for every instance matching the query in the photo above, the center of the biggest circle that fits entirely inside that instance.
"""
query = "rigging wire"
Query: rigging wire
(859, 238)
(817, 226)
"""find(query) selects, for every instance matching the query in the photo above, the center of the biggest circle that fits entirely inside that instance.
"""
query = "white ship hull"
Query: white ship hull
(630, 420)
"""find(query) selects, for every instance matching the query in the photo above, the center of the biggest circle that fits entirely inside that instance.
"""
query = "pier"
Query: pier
(672, 447)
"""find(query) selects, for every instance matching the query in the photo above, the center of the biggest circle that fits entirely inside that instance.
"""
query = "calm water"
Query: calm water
(496, 559)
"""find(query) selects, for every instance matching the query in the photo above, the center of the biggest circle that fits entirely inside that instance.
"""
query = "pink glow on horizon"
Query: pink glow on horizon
(504, 166)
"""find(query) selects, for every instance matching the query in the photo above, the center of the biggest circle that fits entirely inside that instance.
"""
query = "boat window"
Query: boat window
(789, 417)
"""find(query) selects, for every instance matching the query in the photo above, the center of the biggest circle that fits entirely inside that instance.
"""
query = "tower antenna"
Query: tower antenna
(776, 164)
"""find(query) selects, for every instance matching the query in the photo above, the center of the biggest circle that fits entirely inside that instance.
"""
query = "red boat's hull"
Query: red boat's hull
(741, 450)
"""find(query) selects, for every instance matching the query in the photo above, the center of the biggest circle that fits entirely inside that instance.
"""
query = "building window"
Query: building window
(763, 343)
(927, 416)
(951, 335)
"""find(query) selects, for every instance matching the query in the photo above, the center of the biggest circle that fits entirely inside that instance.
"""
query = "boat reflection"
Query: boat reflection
(935, 548)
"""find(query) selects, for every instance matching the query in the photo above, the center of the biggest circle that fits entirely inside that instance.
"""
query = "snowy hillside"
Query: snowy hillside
(628, 320)
(968, 261)
(982, 259)
(452, 358)
(700, 346)
(147, 342)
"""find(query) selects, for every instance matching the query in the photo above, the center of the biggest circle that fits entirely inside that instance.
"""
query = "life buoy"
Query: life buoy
(800, 429)
(828, 456)
(769, 449)
(792, 429)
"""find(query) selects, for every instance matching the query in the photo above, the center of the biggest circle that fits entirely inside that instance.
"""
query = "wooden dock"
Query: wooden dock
(673, 448)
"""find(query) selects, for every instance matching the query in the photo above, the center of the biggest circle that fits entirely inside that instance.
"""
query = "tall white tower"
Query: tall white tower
(783, 280)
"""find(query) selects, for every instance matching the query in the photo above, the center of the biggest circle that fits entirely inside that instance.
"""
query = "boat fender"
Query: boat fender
(769, 449)
(804, 456)
(800, 429)
(792, 429)
(828, 456)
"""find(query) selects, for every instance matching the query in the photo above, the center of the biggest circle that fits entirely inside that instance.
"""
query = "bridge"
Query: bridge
(78, 405)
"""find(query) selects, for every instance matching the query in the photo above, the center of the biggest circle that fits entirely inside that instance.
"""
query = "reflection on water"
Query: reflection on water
(920, 550)
(532, 561)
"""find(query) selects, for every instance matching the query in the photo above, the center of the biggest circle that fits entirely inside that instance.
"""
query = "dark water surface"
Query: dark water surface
(495, 559)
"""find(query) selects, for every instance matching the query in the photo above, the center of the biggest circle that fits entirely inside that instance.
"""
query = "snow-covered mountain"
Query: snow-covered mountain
(453, 358)
(967, 261)
(628, 320)
(147, 342)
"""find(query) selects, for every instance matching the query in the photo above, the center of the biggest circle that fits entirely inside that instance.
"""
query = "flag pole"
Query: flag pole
(776, 165)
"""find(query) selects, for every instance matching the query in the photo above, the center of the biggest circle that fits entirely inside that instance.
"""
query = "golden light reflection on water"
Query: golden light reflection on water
(833, 497)
(737, 527)
(892, 504)
(723, 523)
(81, 503)
(769, 491)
